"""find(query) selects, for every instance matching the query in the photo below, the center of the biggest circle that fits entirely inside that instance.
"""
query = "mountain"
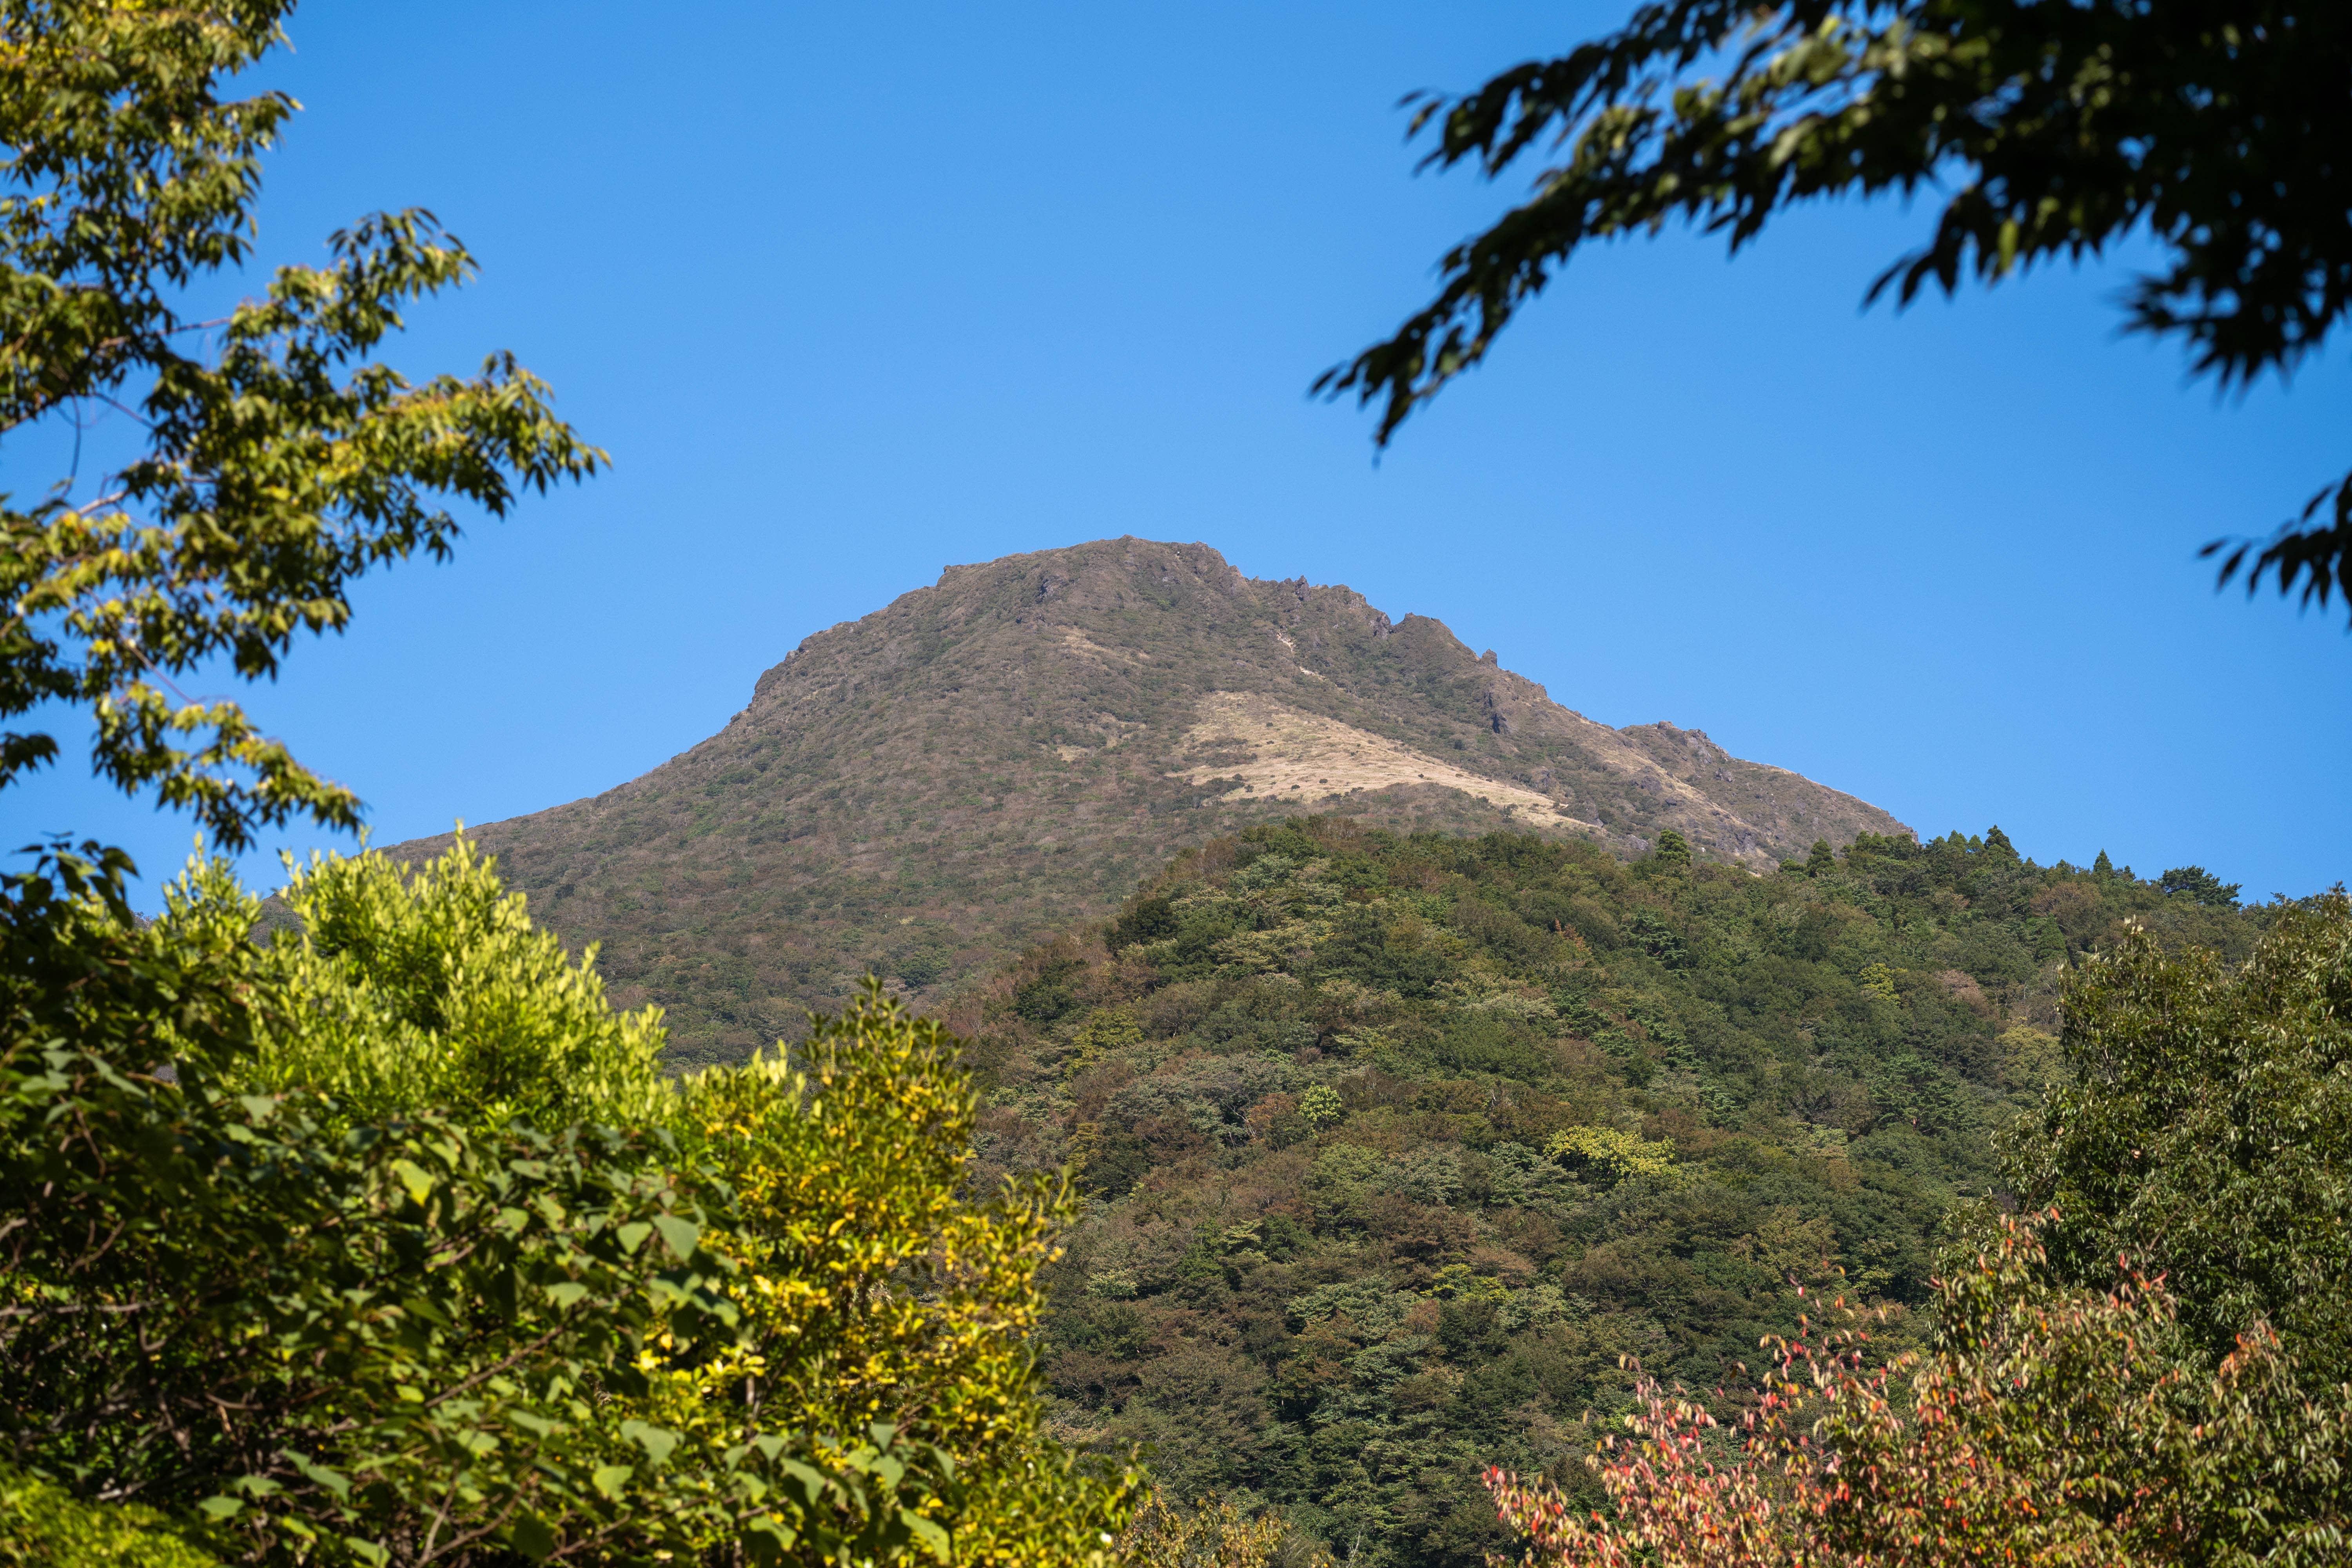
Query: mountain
(922, 791)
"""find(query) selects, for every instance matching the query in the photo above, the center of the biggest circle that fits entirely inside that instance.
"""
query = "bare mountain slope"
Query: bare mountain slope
(922, 791)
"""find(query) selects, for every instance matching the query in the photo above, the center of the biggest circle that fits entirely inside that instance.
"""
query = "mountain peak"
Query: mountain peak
(920, 791)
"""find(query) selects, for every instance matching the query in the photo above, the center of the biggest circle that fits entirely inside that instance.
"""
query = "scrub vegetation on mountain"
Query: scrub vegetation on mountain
(1399, 1147)
(984, 763)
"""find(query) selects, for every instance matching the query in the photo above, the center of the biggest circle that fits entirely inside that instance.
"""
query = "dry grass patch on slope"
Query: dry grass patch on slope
(1280, 753)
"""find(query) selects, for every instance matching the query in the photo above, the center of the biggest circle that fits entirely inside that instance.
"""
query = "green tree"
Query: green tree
(764, 1318)
(432, 988)
(1821, 860)
(1605, 1156)
(282, 459)
(2198, 883)
(2054, 130)
(2207, 1129)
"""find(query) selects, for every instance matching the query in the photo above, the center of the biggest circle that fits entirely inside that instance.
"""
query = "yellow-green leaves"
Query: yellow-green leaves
(429, 985)
(1605, 1156)
(470, 1266)
(41, 1524)
(416, 1178)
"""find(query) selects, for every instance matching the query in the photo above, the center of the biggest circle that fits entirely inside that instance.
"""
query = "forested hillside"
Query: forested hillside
(1397, 1145)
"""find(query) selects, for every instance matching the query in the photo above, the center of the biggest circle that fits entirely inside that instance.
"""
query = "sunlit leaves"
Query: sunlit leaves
(759, 1316)
(279, 461)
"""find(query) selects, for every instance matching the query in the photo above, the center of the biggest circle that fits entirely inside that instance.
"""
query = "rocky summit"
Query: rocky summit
(919, 793)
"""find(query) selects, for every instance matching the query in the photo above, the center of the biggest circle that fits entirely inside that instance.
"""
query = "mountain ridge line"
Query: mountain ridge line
(922, 791)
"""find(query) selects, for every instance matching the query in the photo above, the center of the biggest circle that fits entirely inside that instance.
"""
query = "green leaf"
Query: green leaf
(318, 1474)
(414, 1177)
(613, 1480)
(633, 1236)
(220, 1507)
(926, 1532)
(805, 1485)
(769, 1539)
(538, 1426)
(533, 1537)
(681, 1236)
(657, 1441)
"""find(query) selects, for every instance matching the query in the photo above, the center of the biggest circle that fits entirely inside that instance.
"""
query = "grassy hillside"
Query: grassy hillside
(1398, 1145)
(984, 761)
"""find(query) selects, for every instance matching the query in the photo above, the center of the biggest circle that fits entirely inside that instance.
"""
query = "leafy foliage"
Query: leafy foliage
(2206, 1127)
(1560, 1138)
(1602, 1157)
(761, 1321)
(2072, 1409)
(435, 989)
(2056, 128)
(280, 459)
(42, 1526)
(1209, 1534)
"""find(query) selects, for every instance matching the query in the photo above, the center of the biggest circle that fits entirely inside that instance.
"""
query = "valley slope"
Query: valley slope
(923, 791)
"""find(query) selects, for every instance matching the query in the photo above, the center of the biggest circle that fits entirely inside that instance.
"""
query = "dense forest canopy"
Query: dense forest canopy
(1397, 1146)
(2143, 1362)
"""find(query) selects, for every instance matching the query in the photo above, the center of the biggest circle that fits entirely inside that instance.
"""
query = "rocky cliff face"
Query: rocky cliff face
(920, 792)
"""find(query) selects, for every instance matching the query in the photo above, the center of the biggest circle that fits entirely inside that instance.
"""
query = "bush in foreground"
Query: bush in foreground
(426, 1296)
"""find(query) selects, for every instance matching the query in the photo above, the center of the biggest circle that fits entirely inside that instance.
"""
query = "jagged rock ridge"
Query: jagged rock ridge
(921, 791)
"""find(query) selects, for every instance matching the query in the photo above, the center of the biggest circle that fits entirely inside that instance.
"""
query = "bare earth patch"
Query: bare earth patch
(1303, 757)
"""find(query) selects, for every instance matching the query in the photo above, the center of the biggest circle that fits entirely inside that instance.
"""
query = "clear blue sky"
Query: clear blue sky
(851, 292)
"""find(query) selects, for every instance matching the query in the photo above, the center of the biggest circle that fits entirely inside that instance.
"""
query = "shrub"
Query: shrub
(1605, 1156)
(42, 1526)
(372, 1315)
